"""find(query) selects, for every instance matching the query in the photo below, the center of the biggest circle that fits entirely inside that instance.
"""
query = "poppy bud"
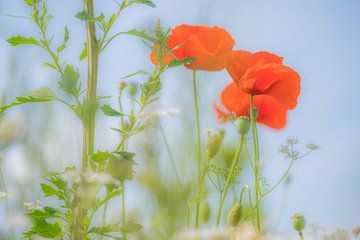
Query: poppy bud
(235, 215)
(122, 86)
(298, 222)
(205, 211)
(132, 89)
(243, 125)
(214, 142)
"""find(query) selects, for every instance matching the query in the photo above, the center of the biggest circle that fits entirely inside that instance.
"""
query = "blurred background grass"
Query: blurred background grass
(319, 39)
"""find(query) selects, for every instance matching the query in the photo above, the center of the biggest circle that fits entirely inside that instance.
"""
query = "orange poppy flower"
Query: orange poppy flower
(208, 44)
(263, 73)
(235, 101)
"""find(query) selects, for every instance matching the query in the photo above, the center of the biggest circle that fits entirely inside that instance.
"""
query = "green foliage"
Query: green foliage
(109, 111)
(121, 165)
(44, 94)
(70, 81)
(145, 2)
(84, 16)
(18, 40)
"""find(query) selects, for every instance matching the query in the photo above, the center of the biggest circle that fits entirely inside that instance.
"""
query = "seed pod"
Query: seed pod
(298, 222)
(243, 125)
(235, 215)
(214, 142)
(122, 86)
(205, 211)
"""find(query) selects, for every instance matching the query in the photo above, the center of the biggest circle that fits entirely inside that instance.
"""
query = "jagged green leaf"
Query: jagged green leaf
(44, 94)
(176, 63)
(69, 80)
(84, 16)
(18, 40)
(145, 2)
(109, 111)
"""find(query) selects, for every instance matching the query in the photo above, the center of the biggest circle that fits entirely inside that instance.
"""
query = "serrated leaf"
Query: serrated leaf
(137, 73)
(44, 94)
(142, 34)
(176, 63)
(66, 39)
(109, 111)
(51, 191)
(145, 2)
(18, 40)
(83, 53)
(69, 80)
(100, 156)
(84, 16)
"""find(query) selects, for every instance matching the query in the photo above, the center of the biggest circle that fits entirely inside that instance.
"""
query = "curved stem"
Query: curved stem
(229, 178)
(281, 179)
(256, 161)
(167, 146)
(123, 212)
(196, 105)
(246, 187)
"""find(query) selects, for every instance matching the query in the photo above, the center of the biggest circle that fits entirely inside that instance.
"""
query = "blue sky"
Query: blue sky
(320, 39)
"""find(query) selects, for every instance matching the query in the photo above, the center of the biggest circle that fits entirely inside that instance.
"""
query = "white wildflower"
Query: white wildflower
(4, 195)
(145, 115)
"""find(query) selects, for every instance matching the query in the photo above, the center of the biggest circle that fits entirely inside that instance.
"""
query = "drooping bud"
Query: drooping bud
(121, 86)
(243, 125)
(205, 211)
(298, 222)
(132, 89)
(235, 215)
(214, 142)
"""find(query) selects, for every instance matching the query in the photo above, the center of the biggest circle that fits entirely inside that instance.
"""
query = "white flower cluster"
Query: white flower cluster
(32, 206)
(145, 115)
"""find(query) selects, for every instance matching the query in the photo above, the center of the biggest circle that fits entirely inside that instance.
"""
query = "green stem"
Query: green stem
(256, 161)
(123, 212)
(196, 105)
(79, 229)
(230, 177)
(167, 146)
(301, 236)
(4, 188)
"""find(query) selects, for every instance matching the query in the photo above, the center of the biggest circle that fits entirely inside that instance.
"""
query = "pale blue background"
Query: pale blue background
(320, 39)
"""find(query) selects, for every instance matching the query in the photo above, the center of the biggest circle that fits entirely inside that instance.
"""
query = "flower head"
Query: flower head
(262, 73)
(209, 45)
(237, 102)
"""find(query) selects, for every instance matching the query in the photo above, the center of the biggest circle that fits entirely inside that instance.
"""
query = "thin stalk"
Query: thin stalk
(123, 212)
(301, 236)
(4, 188)
(229, 178)
(172, 160)
(196, 105)
(256, 161)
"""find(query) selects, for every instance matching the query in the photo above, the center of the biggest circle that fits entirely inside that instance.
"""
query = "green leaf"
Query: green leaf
(142, 34)
(69, 80)
(44, 94)
(137, 73)
(18, 40)
(109, 111)
(51, 191)
(131, 227)
(83, 53)
(41, 227)
(121, 168)
(84, 16)
(176, 63)
(66, 39)
(109, 196)
(145, 2)
(100, 156)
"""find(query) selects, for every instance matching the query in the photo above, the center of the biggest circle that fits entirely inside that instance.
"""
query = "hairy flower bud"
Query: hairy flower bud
(235, 215)
(298, 222)
(132, 89)
(214, 142)
(243, 125)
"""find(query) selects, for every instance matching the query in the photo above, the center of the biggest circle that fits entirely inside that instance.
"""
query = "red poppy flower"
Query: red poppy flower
(263, 73)
(270, 111)
(208, 44)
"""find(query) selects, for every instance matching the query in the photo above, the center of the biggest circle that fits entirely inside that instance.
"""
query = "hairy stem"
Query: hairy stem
(229, 178)
(196, 105)
(256, 162)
